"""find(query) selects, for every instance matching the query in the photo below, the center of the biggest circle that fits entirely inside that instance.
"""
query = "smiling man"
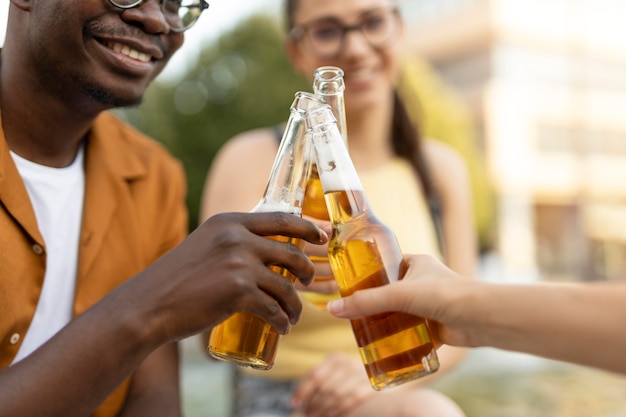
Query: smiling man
(97, 279)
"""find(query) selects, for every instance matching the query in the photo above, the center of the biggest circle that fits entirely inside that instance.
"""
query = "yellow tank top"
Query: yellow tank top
(395, 196)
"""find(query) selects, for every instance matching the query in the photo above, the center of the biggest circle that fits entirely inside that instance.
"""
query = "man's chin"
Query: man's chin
(108, 99)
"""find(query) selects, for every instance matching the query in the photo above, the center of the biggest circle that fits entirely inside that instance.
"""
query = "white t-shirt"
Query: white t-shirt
(57, 197)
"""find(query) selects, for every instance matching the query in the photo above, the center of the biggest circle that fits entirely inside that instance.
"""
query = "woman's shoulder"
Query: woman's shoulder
(437, 152)
(250, 142)
(249, 148)
(239, 172)
(442, 156)
(445, 163)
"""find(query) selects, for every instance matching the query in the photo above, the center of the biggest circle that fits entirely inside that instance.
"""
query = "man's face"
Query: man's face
(92, 49)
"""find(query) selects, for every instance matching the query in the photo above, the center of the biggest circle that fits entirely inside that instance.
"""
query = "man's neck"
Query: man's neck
(47, 141)
(42, 130)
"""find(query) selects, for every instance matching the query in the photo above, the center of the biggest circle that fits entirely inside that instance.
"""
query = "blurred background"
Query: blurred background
(531, 92)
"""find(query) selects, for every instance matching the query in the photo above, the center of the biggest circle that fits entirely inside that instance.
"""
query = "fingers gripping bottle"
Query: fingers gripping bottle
(244, 338)
(329, 86)
(364, 253)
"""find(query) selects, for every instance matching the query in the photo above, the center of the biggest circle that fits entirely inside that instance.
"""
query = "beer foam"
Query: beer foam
(272, 206)
(334, 164)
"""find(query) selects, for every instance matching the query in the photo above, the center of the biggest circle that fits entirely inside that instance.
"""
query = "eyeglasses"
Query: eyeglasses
(327, 35)
(179, 14)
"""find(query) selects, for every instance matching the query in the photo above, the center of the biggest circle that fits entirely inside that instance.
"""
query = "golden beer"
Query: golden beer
(245, 338)
(328, 84)
(314, 205)
(394, 347)
(364, 253)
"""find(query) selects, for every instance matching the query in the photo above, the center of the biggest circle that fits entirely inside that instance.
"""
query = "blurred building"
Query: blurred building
(546, 81)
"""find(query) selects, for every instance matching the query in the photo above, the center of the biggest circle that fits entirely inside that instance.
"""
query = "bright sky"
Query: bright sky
(4, 9)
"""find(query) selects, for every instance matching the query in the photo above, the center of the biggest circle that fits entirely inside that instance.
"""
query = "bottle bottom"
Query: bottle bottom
(244, 339)
(395, 348)
(241, 360)
(428, 365)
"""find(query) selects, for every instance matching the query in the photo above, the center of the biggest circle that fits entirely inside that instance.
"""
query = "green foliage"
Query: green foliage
(242, 81)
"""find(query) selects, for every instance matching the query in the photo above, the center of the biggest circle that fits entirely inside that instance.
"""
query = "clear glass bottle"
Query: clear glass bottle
(244, 338)
(364, 253)
(329, 86)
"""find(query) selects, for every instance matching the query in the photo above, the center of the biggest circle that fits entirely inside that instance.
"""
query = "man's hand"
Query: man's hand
(222, 268)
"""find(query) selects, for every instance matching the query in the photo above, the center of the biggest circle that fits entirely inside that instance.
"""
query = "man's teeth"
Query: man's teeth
(125, 50)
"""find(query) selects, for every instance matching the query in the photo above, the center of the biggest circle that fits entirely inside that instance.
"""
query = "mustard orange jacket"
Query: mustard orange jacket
(134, 212)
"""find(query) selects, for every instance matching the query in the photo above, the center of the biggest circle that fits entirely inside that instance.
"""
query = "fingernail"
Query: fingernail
(323, 236)
(335, 306)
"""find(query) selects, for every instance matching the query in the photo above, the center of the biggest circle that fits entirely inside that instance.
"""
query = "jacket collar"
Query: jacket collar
(110, 163)
(13, 194)
(109, 142)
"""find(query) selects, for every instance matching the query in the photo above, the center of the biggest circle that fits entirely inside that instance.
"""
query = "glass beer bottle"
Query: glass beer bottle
(364, 253)
(244, 338)
(329, 86)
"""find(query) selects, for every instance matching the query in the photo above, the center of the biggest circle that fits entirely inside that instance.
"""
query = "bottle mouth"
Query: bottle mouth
(319, 115)
(329, 73)
(305, 101)
(328, 80)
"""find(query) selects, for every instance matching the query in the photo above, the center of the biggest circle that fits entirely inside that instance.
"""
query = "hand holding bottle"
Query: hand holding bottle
(561, 321)
(220, 268)
(363, 253)
(245, 338)
(427, 289)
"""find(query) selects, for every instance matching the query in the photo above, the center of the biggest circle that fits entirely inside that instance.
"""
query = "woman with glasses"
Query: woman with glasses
(318, 371)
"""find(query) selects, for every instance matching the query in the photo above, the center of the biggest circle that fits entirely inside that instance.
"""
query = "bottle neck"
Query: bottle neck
(328, 84)
(290, 171)
(336, 103)
(346, 205)
(345, 198)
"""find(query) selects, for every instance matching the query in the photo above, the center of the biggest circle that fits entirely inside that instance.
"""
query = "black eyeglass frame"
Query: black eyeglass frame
(299, 32)
(204, 5)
